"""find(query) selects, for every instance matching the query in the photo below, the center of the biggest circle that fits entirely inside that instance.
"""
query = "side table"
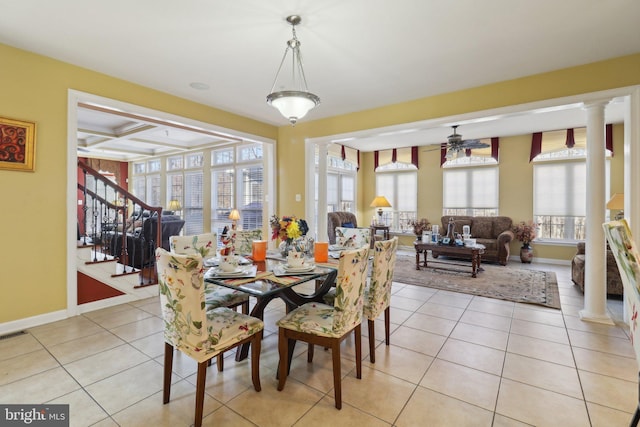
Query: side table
(374, 231)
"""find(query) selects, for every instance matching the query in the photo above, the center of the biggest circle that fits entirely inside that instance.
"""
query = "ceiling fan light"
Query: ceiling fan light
(293, 104)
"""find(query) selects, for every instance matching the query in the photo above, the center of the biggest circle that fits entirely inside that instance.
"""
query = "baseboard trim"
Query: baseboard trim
(105, 303)
(31, 322)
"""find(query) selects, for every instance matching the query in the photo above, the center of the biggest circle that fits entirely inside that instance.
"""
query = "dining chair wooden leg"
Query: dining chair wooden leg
(168, 366)
(310, 353)
(337, 375)
(245, 307)
(200, 382)
(219, 362)
(291, 346)
(256, 343)
(283, 365)
(387, 322)
(358, 332)
(371, 330)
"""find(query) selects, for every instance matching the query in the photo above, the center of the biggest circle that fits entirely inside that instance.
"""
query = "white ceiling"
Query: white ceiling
(358, 54)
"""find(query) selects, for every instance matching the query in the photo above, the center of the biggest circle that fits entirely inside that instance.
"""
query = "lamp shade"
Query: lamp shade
(616, 202)
(293, 104)
(380, 202)
(234, 215)
(174, 205)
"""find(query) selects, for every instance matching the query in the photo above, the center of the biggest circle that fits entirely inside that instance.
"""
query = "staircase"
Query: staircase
(123, 260)
(104, 271)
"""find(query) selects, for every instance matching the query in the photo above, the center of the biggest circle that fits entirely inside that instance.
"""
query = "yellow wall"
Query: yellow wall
(35, 88)
(33, 215)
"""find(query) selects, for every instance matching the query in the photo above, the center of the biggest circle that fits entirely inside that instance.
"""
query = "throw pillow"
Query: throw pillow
(348, 225)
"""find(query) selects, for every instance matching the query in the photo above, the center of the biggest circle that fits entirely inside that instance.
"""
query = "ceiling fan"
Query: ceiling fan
(455, 144)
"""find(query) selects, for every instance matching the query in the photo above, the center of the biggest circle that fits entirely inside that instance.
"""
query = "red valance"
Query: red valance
(609, 138)
(536, 145)
(495, 148)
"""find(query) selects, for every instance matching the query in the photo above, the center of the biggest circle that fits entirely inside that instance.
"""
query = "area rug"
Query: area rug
(496, 281)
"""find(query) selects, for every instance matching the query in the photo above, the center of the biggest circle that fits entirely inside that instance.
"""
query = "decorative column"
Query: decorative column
(632, 162)
(595, 287)
(323, 152)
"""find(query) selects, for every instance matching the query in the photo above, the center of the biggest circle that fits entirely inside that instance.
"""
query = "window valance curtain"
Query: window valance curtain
(542, 142)
(403, 155)
(345, 153)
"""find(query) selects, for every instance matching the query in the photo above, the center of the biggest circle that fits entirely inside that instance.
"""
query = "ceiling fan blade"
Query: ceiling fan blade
(473, 143)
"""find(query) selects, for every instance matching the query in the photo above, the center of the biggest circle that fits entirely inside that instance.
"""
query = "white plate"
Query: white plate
(304, 268)
(215, 261)
(238, 271)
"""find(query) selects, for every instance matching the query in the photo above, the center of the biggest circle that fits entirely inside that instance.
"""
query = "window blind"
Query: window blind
(560, 189)
(466, 188)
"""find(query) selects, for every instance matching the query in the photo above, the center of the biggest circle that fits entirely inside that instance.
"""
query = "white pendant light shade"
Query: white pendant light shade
(292, 104)
(295, 101)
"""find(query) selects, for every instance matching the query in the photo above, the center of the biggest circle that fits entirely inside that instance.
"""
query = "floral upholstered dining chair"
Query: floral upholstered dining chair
(215, 296)
(327, 326)
(377, 296)
(352, 237)
(244, 240)
(195, 330)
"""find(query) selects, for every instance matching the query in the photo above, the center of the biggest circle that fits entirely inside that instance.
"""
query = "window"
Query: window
(341, 182)
(470, 191)
(559, 186)
(175, 188)
(153, 190)
(251, 195)
(237, 182)
(174, 163)
(559, 199)
(192, 208)
(398, 182)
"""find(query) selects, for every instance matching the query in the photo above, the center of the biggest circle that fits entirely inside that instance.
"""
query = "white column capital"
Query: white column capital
(596, 103)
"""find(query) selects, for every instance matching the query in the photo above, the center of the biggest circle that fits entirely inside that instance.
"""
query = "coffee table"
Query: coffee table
(473, 252)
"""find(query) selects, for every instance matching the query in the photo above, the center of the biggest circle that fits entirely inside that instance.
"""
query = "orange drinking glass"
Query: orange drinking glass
(321, 251)
(259, 250)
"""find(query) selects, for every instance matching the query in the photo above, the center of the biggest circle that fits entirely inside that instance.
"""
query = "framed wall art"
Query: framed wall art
(17, 145)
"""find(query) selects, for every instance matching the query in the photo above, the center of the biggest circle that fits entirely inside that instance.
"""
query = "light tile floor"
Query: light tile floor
(454, 360)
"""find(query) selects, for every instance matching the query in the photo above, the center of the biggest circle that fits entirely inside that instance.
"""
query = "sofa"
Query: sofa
(494, 232)
(141, 243)
(614, 281)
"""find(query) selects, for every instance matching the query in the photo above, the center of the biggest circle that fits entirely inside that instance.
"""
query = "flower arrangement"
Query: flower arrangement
(525, 231)
(420, 225)
(288, 228)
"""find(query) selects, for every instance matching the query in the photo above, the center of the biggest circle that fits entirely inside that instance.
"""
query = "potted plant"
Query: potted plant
(525, 232)
(420, 226)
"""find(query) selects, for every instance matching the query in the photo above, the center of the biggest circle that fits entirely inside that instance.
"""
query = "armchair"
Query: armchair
(339, 219)
(614, 281)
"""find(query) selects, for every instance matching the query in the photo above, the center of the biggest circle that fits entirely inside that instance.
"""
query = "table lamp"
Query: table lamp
(234, 216)
(380, 202)
(616, 202)
(174, 206)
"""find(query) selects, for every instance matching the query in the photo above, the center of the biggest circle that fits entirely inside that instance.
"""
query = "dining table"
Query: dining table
(270, 279)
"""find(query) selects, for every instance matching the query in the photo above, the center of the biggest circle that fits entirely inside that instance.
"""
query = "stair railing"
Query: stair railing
(112, 232)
